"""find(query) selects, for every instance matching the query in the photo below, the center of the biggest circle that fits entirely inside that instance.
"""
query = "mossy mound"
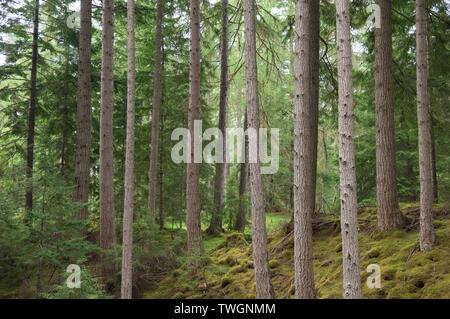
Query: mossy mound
(405, 271)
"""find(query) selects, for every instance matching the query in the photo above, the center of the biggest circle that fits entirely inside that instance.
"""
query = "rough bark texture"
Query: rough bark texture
(388, 211)
(264, 287)
(127, 242)
(107, 223)
(349, 222)
(303, 154)
(243, 186)
(155, 115)
(31, 117)
(427, 235)
(219, 184)
(194, 229)
(83, 147)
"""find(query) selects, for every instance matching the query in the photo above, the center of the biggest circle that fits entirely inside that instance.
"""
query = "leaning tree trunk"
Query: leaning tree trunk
(264, 287)
(155, 114)
(347, 174)
(31, 117)
(388, 211)
(127, 242)
(83, 147)
(219, 185)
(194, 229)
(427, 235)
(107, 223)
(241, 218)
(304, 195)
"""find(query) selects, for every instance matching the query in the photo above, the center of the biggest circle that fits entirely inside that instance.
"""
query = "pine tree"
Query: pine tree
(32, 116)
(83, 147)
(194, 229)
(388, 211)
(264, 287)
(155, 114)
(427, 235)
(219, 184)
(107, 222)
(304, 158)
(347, 187)
(127, 242)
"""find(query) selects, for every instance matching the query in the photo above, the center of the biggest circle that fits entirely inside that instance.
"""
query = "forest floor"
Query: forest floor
(405, 271)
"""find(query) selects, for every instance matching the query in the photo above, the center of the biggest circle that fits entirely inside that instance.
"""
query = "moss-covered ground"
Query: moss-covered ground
(405, 271)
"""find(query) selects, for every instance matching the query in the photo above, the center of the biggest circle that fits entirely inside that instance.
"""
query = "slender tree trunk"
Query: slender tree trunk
(389, 215)
(243, 186)
(427, 235)
(315, 84)
(264, 287)
(65, 111)
(83, 147)
(216, 220)
(304, 149)
(349, 222)
(182, 181)
(155, 114)
(31, 117)
(161, 175)
(107, 223)
(433, 166)
(194, 229)
(127, 242)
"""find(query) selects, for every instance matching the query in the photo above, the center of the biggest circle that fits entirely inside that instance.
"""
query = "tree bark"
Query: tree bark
(241, 220)
(107, 222)
(127, 242)
(349, 222)
(304, 149)
(427, 235)
(219, 185)
(31, 117)
(155, 114)
(161, 175)
(264, 287)
(182, 181)
(388, 211)
(83, 148)
(194, 229)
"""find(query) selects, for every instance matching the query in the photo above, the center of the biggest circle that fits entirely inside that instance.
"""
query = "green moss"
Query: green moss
(274, 263)
(226, 281)
(405, 271)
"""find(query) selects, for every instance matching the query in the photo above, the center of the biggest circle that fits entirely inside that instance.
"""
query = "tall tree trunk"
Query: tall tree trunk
(216, 220)
(264, 287)
(107, 223)
(315, 84)
(305, 141)
(161, 175)
(388, 215)
(31, 117)
(194, 229)
(127, 242)
(427, 235)
(347, 174)
(155, 114)
(243, 185)
(83, 148)
(65, 111)
(182, 181)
